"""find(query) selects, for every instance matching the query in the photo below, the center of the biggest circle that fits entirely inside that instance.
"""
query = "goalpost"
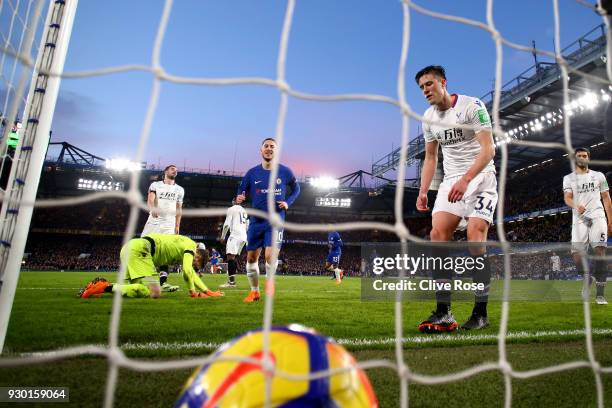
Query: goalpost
(29, 155)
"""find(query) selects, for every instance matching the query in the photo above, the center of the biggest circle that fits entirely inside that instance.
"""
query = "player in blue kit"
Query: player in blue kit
(215, 257)
(259, 235)
(332, 262)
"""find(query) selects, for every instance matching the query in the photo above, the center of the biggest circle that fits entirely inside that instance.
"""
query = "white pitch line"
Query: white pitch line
(48, 288)
(232, 290)
(414, 340)
(456, 338)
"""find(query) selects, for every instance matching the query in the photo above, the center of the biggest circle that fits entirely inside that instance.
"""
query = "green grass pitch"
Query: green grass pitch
(47, 315)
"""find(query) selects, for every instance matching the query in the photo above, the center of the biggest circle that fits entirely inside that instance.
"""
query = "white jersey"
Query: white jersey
(167, 196)
(237, 222)
(459, 146)
(586, 190)
(555, 263)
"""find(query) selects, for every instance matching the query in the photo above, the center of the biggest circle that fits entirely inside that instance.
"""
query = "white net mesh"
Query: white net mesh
(113, 352)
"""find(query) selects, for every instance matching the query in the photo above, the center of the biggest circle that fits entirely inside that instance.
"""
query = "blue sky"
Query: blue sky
(335, 46)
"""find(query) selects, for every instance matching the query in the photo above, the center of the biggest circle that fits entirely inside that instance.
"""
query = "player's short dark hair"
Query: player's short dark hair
(582, 149)
(268, 138)
(437, 70)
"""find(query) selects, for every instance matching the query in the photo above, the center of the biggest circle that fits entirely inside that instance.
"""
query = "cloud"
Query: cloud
(73, 107)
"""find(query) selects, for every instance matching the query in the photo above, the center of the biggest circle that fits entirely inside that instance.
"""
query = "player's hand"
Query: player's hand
(240, 198)
(222, 241)
(155, 212)
(282, 205)
(458, 190)
(421, 203)
(581, 209)
(610, 229)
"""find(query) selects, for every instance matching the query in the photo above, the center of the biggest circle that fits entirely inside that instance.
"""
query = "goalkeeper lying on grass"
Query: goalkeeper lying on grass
(143, 255)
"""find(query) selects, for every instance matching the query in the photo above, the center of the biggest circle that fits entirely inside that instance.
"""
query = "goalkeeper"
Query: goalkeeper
(142, 255)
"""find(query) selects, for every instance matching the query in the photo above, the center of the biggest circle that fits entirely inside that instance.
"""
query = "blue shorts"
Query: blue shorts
(260, 236)
(214, 261)
(334, 258)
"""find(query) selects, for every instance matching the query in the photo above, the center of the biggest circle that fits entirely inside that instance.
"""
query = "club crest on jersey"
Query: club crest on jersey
(278, 181)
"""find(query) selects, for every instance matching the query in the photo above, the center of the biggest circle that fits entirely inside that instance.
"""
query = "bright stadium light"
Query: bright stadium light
(123, 164)
(99, 185)
(324, 182)
(588, 101)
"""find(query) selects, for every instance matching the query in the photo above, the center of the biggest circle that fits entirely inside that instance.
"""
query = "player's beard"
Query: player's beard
(582, 164)
(170, 177)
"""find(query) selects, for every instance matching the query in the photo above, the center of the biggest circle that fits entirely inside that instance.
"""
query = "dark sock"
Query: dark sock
(443, 301)
(108, 289)
(480, 308)
(232, 267)
(601, 276)
(163, 274)
(481, 297)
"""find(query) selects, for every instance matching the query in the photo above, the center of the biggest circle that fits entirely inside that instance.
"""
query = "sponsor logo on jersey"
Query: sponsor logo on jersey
(277, 191)
(166, 195)
(451, 136)
(587, 187)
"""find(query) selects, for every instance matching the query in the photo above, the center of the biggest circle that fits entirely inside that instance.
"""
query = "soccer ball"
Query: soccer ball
(294, 350)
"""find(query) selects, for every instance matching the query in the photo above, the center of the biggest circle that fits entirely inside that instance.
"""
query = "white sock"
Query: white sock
(268, 269)
(252, 272)
(337, 273)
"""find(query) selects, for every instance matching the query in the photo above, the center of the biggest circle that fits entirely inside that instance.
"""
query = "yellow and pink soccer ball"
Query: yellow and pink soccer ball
(294, 350)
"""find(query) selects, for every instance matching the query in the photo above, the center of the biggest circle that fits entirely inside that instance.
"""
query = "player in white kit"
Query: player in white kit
(555, 265)
(468, 190)
(586, 192)
(237, 224)
(165, 202)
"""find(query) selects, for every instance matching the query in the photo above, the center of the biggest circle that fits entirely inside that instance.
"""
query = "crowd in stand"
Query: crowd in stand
(50, 252)
(89, 236)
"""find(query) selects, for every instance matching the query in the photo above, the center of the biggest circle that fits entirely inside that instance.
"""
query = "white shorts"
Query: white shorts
(479, 200)
(596, 235)
(234, 246)
(157, 226)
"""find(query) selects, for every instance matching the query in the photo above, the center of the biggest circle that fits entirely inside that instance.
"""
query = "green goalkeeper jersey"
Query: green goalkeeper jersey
(172, 250)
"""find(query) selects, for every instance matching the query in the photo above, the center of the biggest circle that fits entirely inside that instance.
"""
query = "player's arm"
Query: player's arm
(427, 172)
(188, 261)
(179, 215)
(226, 226)
(179, 210)
(151, 203)
(244, 188)
(486, 154)
(568, 198)
(607, 203)
(295, 192)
